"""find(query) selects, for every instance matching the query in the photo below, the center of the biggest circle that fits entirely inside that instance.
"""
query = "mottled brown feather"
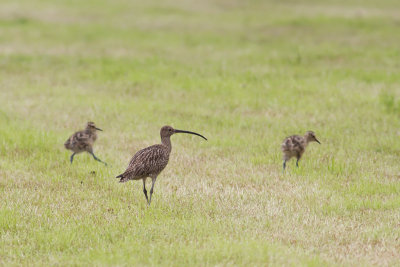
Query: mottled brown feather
(295, 145)
(148, 162)
(81, 141)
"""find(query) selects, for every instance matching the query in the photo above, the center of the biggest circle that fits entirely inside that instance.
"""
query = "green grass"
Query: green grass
(243, 73)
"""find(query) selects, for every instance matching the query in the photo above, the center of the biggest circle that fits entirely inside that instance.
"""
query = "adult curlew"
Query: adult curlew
(83, 141)
(295, 145)
(150, 161)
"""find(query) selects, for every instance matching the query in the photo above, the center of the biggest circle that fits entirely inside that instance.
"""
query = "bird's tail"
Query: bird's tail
(67, 144)
(122, 178)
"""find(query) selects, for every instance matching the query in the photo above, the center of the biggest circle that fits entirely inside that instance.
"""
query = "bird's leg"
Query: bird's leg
(298, 156)
(96, 158)
(145, 191)
(153, 179)
(284, 165)
(72, 157)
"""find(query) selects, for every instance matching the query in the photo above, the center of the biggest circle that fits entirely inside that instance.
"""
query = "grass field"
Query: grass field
(245, 74)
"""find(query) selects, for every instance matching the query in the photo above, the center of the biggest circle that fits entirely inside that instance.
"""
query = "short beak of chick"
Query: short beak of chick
(189, 132)
(316, 140)
(98, 129)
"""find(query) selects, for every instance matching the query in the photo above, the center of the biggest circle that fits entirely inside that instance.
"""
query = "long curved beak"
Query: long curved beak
(188, 132)
(98, 129)
(316, 140)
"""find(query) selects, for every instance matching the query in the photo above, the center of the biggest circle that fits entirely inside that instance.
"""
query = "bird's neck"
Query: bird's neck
(306, 140)
(90, 131)
(166, 141)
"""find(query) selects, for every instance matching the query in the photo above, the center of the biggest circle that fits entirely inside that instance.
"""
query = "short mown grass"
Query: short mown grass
(245, 74)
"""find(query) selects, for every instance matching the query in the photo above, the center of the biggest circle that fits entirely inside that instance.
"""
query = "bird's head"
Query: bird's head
(310, 137)
(167, 131)
(92, 127)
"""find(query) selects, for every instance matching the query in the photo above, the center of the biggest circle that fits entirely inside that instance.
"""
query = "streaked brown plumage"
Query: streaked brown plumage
(150, 161)
(295, 145)
(83, 141)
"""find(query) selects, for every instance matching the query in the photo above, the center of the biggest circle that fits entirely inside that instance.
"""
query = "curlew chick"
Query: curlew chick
(295, 145)
(83, 141)
(150, 161)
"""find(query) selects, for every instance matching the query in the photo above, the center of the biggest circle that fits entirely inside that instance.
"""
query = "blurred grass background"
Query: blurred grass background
(243, 73)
